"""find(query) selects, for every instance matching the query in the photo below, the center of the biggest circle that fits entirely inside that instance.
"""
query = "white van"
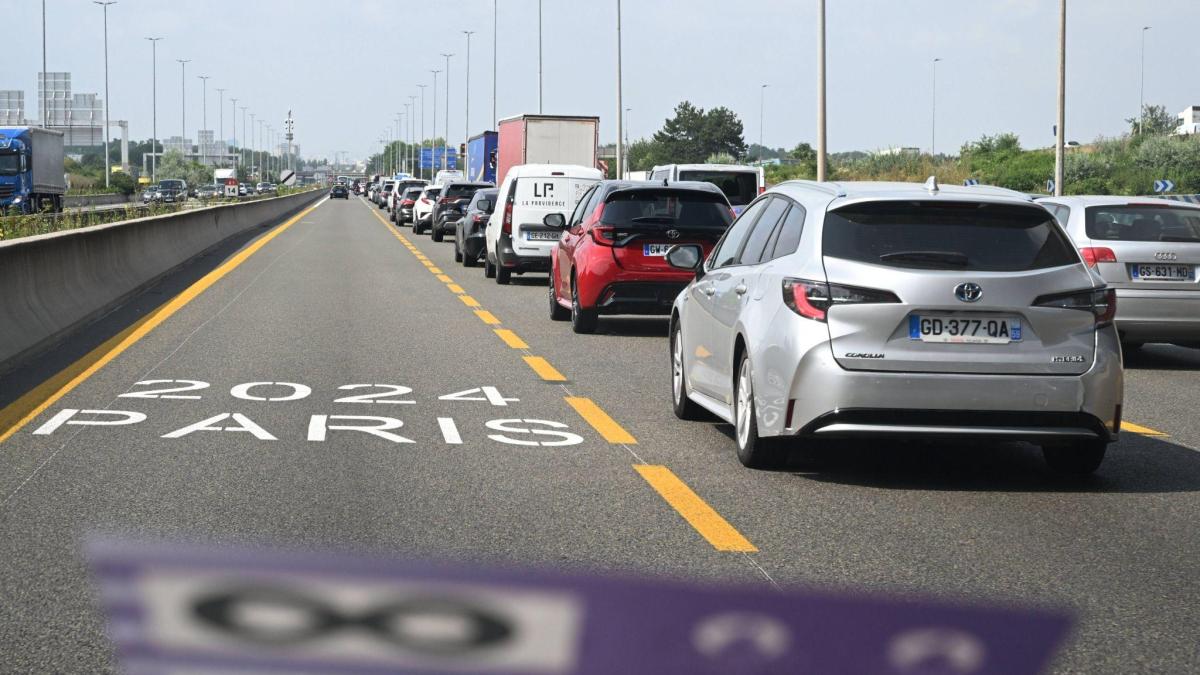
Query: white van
(447, 176)
(741, 184)
(516, 239)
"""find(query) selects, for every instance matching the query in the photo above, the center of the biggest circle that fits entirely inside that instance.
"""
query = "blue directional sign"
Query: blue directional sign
(1164, 185)
(970, 181)
(1050, 185)
(431, 158)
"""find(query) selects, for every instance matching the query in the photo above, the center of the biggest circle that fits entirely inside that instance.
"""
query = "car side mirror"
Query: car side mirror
(686, 257)
(556, 220)
(484, 205)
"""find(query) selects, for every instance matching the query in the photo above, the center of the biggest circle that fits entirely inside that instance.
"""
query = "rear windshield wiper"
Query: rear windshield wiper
(931, 257)
(652, 219)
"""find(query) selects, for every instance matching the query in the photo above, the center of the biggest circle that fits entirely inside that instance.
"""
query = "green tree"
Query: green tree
(693, 134)
(1155, 121)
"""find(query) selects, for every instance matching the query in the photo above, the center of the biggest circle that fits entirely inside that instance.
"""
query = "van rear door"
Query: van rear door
(537, 196)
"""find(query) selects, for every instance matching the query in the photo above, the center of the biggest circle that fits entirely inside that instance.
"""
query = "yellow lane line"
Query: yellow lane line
(487, 317)
(511, 339)
(468, 301)
(543, 368)
(455, 288)
(604, 425)
(22, 411)
(1139, 429)
(445, 278)
(701, 516)
(435, 270)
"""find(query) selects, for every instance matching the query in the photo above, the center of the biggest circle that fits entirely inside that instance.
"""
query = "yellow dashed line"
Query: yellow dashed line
(543, 368)
(444, 278)
(435, 270)
(701, 516)
(511, 339)
(604, 425)
(487, 317)
(455, 288)
(469, 301)
(1139, 429)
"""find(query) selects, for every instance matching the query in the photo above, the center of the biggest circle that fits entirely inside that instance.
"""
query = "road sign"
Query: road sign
(970, 181)
(1164, 185)
(1050, 185)
(431, 158)
(173, 609)
(287, 177)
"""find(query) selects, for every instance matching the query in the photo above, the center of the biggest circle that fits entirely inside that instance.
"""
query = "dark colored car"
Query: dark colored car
(404, 214)
(451, 205)
(398, 190)
(172, 190)
(470, 241)
(339, 191)
(611, 258)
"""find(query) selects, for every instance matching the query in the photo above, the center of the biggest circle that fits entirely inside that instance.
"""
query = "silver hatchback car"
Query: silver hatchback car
(1147, 250)
(898, 310)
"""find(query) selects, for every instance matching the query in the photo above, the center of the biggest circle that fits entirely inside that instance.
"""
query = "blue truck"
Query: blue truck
(31, 170)
(481, 157)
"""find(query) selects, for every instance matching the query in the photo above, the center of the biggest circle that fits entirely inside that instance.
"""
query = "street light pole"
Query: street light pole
(495, 35)
(242, 147)
(620, 104)
(467, 94)
(107, 159)
(762, 104)
(627, 163)
(154, 107)
(220, 114)
(253, 146)
(1141, 87)
(419, 158)
(1060, 137)
(539, 57)
(203, 148)
(233, 119)
(414, 158)
(45, 114)
(432, 150)
(821, 90)
(183, 107)
(445, 158)
(933, 115)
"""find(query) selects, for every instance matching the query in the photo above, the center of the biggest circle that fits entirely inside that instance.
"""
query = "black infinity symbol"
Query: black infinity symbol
(221, 611)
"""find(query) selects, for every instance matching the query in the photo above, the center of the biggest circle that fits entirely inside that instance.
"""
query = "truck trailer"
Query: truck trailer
(546, 139)
(31, 169)
(481, 157)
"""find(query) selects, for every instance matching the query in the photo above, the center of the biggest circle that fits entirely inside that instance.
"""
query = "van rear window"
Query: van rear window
(948, 236)
(740, 187)
(1147, 222)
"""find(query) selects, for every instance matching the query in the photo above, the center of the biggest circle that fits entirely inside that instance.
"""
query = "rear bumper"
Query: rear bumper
(508, 258)
(447, 225)
(405, 214)
(474, 245)
(1032, 426)
(1149, 315)
(639, 297)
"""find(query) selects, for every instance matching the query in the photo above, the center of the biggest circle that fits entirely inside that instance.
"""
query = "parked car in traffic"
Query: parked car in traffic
(741, 184)
(398, 189)
(339, 191)
(895, 310)
(1149, 251)
(404, 213)
(423, 207)
(385, 189)
(150, 194)
(450, 206)
(243, 190)
(517, 239)
(611, 256)
(171, 190)
(206, 192)
(469, 238)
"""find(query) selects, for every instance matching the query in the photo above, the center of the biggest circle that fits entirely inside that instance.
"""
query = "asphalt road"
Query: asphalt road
(524, 443)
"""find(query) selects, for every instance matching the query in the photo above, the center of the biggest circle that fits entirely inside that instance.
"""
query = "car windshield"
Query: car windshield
(948, 236)
(666, 209)
(412, 193)
(433, 192)
(10, 163)
(170, 185)
(740, 187)
(1143, 222)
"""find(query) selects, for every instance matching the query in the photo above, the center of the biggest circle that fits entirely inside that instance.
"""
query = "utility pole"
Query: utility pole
(241, 148)
(253, 146)
(107, 159)
(290, 125)
(539, 57)
(821, 90)
(154, 107)
(432, 148)
(620, 104)
(183, 107)
(1141, 87)
(1060, 137)
(933, 115)
(220, 115)
(762, 104)
(467, 94)
(419, 158)
(627, 111)
(495, 52)
(45, 114)
(203, 118)
(233, 119)
(414, 156)
(445, 153)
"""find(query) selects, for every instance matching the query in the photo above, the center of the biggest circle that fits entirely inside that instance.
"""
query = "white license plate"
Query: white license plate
(655, 250)
(1159, 272)
(962, 330)
(541, 236)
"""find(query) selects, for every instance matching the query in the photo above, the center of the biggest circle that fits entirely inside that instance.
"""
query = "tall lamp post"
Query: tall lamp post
(220, 115)
(233, 119)
(107, 160)
(241, 148)
(1141, 87)
(762, 104)
(495, 53)
(539, 57)
(433, 139)
(253, 147)
(933, 115)
(821, 90)
(620, 104)
(445, 157)
(411, 107)
(467, 93)
(203, 117)
(183, 103)
(1061, 133)
(420, 158)
(627, 163)
(153, 107)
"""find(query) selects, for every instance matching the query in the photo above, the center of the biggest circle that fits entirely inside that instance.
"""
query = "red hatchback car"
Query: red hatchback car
(611, 257)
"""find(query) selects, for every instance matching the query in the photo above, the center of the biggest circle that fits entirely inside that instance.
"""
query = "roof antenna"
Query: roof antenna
(931, 185)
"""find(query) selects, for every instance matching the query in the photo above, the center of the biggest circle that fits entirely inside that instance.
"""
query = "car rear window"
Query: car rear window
(740, 187)
(1143, 223)
(666, 210)
(170, 184)
(433, 192)
(462, 190)
(948, 236)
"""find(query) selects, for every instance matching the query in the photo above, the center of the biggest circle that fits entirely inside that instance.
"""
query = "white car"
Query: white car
(398, 188)
(517, 241)
(741, 184)
(423, 208)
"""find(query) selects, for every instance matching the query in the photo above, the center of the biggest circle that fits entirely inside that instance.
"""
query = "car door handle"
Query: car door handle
(740, 289)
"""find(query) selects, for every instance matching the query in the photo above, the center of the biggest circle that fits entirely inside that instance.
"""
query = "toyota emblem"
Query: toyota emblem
(968, 292)
(672, 234)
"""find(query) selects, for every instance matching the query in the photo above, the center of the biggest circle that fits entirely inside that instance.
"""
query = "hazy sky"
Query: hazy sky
(345, 68)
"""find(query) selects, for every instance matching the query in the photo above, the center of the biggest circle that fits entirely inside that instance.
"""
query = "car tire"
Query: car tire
(1081, 458)
(489, 270)
(503, 274)
(684, 407)
(752, 451)
(583, 321)
(436, 234)
(557, 311)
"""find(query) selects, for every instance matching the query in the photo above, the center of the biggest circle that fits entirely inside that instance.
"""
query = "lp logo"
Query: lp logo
(546, 191)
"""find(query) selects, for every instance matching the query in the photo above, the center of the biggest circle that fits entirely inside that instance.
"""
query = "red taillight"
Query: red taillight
(1106, 310)
(424, 200)
(506, 224)
(477, 218)
(812, 299)
(1097, 254)
(603, 235)
(406, 202)
(762, 189)
(1102, 303)
(445, 200)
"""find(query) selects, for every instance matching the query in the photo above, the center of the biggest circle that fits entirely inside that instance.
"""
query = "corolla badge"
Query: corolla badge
(968, 291)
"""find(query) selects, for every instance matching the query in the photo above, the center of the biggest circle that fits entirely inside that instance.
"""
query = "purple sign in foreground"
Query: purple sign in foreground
(194, 610)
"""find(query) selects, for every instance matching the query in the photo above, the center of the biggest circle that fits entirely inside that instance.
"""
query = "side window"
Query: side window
(659, 175)
(1061, 213)
(727, 249)
(760, 235)
(580, 208)
(788, 237)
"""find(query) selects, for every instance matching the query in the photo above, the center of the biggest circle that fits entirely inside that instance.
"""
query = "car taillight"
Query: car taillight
(604, 235)
(1102, 303)
(812, 299)
(1097, 254)
(406, 202)
(761, 189)
(424, 200)
(506, 224)
(445, 200)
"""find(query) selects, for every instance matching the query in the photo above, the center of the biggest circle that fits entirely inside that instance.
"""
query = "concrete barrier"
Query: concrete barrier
(52, 284)
(75, 201)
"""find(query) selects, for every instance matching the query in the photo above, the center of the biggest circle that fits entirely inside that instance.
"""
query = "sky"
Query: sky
(346, 68)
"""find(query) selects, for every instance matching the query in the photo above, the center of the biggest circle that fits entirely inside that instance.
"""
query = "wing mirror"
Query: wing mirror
(687, 257)
(484, 205)
(556, 220)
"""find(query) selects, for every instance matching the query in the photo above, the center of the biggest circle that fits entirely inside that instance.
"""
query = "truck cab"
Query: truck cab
(31, 170)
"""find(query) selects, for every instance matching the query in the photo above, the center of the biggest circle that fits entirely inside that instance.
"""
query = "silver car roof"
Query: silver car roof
(839, 193)
(1115, 200)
